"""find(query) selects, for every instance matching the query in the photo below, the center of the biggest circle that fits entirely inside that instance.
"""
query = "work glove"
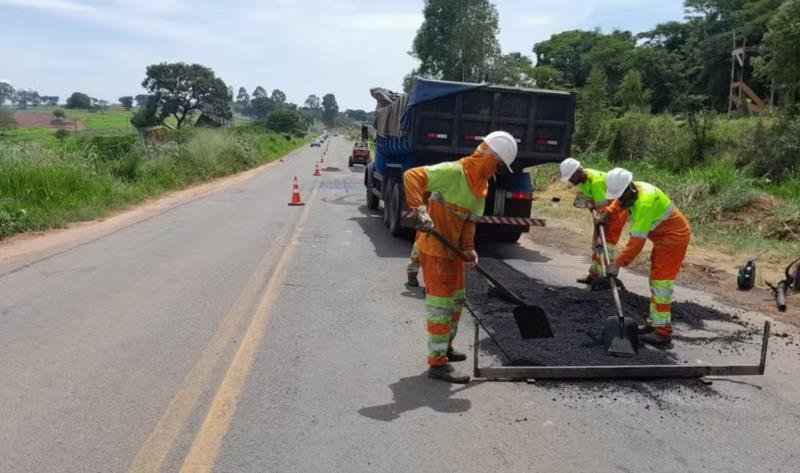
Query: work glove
(601, 219)
(425, 222)
(582, 202)
(471, 259)
(597, 246)
(612, 270)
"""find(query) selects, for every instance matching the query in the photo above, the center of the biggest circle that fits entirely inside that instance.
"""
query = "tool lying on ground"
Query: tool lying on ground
(746, 279)
(531, 319)
(781, 289)
(620, 333)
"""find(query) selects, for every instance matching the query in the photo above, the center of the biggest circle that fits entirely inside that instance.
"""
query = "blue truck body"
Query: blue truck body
(444, 121)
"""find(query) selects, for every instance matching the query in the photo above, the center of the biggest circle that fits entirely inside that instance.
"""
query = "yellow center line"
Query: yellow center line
(153, 452)
(205, 448)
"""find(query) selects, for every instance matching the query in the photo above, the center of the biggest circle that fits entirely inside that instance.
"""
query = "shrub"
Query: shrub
(773, 153)
(62, 134)
(109, 148)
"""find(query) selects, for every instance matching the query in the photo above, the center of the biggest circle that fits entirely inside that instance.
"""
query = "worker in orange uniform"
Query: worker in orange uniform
(654, 217)
(458, 194)
(592, 186)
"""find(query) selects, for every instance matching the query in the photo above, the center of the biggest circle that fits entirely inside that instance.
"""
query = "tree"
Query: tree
(6, 92)
(260, 93)
(356, 115)
(59, 114)
(7, 120)
(286, 121)
(51, 100)
(782, 59)
(243, 98)
(79, 100)
(141, 100)
(592, 108)
(547, 77)
(565, 52)
(25, 97)
(329, 110)
(313, 102)
(126, 101)
(457, 40)
(146, 115)
(278, 98)
(182, 89)
(260, 107)
(632, 95)
(512, 69)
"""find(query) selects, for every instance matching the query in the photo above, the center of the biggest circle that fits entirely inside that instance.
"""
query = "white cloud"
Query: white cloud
(380, 22)
(537, 20)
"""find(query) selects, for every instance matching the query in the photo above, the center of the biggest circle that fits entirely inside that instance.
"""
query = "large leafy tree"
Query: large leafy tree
(79, 100)
(6, 92)
(565, 52)
(782, 59)
(243, 98)
(457, 40)
(278, 97)
(260, 93)
(27, 97)
(512, 69)
(182, 89)
(126, 101)
(313, 102)
(286, 121)
(329, 110)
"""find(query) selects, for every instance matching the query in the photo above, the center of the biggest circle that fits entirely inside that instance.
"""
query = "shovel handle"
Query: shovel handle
(612, 279)
(480, 270)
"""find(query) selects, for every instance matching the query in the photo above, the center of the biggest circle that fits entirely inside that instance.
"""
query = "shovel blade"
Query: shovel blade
(532, 322)
(624, 343)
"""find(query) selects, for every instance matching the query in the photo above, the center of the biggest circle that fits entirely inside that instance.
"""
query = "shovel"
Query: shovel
(531, 319)
(620, 333)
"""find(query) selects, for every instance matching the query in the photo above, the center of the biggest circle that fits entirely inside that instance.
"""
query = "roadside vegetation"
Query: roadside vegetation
(45, 186)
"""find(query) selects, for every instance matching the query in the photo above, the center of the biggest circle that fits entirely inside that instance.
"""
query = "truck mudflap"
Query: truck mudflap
(409, 221)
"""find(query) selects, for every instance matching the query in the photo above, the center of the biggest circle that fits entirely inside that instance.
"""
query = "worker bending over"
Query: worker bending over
(458, 194)
(655, 217)
(592, 186)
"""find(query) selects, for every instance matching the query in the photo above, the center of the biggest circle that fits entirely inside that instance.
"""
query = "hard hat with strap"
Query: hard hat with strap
(617, 181)
(568, 168)
(504, 146)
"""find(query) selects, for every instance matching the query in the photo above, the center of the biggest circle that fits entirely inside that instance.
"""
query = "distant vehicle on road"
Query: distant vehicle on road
(316, 143)
(360, 154)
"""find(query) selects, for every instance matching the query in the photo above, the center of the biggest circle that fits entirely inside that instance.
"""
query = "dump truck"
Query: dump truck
(441, 121)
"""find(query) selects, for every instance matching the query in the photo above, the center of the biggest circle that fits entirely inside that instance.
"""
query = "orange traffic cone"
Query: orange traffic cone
(296, 200)
(316, 170)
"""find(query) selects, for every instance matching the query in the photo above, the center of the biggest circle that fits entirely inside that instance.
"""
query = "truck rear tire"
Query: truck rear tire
(507, 237)
(396, 227)
(388, 184)
(373, 202)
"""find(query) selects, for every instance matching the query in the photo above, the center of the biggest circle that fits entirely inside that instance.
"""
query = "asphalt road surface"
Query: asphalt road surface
(234, 333)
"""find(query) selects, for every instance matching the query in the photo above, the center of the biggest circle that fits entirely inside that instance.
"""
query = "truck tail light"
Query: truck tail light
(437, 136)
(521, 195)
(547, 142)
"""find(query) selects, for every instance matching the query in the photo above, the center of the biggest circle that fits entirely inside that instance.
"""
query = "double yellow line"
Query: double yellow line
(205, 447)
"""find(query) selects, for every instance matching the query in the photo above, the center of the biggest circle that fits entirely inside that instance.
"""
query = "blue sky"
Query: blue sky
(102, 47)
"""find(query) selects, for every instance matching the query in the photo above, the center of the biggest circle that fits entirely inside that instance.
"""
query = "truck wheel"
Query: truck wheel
(350, 162)
(387, 193)
(395, 214)
(509, 237)
(373, 202)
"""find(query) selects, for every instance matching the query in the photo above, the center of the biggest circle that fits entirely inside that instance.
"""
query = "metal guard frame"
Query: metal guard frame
(521, 373)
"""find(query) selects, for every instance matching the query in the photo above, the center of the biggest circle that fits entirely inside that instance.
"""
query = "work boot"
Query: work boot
(447, 373)
(644, 329)
(453, 355)
(588, 280)
(412, 279)
(655, 338)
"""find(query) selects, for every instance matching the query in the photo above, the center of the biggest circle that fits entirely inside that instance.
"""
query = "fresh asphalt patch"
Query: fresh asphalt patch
(577, 316)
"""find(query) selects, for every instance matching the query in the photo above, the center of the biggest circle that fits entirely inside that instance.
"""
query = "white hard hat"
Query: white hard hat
(568, 168)
(504, 145)
(617, 181)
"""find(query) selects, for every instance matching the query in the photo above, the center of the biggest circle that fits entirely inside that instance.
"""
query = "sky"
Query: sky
(345, 47)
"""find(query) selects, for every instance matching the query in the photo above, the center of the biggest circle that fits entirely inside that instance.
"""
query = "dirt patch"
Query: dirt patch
(46, 120)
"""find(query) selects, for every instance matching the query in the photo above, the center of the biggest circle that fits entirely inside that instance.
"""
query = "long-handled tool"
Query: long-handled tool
(531, 319)
(782, 288)
(621, 333)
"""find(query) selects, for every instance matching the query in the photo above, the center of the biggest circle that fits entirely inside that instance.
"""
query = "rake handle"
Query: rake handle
(480, 270)
(612, 279)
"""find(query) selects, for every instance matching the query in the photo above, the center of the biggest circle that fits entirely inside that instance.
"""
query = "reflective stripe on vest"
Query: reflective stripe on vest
(463, 216)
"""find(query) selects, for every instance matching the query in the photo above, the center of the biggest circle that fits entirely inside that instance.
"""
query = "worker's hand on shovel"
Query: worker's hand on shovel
(425, 222)
(601, 219)
(471, 259)
(612, 270)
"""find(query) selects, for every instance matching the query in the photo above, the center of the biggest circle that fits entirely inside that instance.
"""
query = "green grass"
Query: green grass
(43, 187)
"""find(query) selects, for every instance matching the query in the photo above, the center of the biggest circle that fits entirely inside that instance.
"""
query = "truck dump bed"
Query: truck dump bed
(450, 119)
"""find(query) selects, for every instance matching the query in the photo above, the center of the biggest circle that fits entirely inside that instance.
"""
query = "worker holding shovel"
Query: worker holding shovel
(656, 218)
(458, 194)
(592, 186)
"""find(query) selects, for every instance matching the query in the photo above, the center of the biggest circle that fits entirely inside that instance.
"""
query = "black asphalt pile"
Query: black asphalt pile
(577, 316)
